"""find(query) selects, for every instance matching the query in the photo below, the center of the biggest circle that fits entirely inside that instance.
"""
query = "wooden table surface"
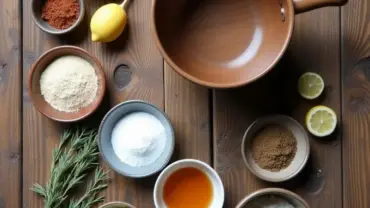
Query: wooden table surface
(209, 123)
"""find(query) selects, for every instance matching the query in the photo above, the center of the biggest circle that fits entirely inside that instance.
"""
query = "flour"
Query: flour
(69, 83)
(138, 139)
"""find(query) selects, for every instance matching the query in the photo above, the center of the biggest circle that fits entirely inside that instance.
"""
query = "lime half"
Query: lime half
(321, 121)
(310, 85)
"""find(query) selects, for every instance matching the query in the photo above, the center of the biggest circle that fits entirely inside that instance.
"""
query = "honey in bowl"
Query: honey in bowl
(188, 187)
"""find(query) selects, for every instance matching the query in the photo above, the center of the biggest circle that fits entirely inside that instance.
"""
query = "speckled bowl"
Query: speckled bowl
(116, 204)
(291, 197)
(105, 144)
(299, 160)
(36, 6)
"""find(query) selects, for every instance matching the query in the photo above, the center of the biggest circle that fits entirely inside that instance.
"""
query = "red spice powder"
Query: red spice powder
(61, 14)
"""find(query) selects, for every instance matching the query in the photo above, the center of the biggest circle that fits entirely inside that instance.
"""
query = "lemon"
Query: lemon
(108, 22)
(321, 121)
(310, 85)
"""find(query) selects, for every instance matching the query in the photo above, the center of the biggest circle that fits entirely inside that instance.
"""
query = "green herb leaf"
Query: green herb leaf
(39, 190)
(71, 164)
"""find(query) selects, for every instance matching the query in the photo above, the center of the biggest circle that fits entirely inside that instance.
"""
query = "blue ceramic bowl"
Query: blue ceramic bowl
(105, 144)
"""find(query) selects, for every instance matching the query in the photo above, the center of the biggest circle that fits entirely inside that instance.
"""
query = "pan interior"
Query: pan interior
(223, 41)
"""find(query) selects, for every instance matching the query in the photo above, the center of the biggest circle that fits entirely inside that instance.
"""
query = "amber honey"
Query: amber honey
(188, 187)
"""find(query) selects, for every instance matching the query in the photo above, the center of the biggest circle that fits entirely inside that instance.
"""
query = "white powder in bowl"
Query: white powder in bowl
(69, 83)
(138, 139)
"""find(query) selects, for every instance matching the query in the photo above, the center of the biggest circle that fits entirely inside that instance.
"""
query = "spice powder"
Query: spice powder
(60, 14)
(274, 148)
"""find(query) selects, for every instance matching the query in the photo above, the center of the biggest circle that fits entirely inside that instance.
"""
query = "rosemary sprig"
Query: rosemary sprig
(70, 166)
(94, 187)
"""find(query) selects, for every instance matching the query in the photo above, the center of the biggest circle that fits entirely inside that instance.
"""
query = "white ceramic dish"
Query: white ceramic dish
(218, 188)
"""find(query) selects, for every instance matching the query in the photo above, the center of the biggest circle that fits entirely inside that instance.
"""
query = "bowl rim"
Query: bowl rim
(264, 191)
(133, 102)
(58, 31)
(275, 117)
(106, 205)
(98, 68)
(208, 84)
(182, 161)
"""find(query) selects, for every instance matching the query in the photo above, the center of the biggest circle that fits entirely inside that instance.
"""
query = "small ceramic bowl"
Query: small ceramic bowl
(34, 84)
(116, 204)
(218, 188)
(105, 144)
(298, 162)
(36, 7)
(289, 196)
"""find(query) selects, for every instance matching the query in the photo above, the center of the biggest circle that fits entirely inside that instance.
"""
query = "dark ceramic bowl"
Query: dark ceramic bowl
(289, 196)
(34, 84)
(105, 144)
(36, 7)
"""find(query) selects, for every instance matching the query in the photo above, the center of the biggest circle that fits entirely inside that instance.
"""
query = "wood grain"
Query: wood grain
(315, 47)
(10, 117)
(187, 106)
(139, 75)
(356, 103)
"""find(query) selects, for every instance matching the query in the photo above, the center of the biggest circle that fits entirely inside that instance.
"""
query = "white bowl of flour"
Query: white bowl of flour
(136, 139)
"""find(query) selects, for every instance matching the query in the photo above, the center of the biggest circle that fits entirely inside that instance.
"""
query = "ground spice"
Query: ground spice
(274, 148)
(60, 14)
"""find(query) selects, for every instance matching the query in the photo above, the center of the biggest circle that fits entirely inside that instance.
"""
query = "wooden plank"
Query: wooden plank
(187, 106)
(356, 103)
(140, 76)
(10, 117)
(314, 47)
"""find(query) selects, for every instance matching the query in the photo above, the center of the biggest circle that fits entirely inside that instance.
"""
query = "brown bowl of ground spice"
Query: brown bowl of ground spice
(275, 148)
(57, 17)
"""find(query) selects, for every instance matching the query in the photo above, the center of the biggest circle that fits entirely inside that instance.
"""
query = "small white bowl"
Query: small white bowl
(218, 188)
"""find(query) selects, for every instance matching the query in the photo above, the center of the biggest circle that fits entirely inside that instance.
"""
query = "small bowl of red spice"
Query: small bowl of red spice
(275, 148)
(58, 16)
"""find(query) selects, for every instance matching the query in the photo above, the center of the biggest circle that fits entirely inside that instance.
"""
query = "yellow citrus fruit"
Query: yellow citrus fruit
(310, 85)
(107, 23)
(321, 121)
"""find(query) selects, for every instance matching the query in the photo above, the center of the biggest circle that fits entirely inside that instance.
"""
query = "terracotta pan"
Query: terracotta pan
(226, 43)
